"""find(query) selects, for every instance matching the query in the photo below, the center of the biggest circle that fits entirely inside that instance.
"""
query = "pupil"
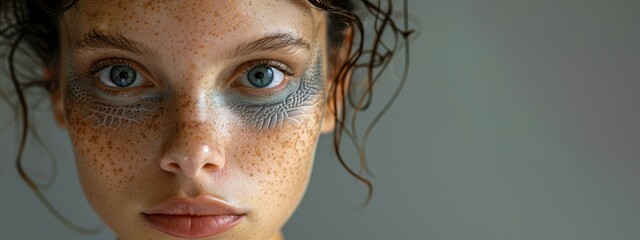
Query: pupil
(259, 75)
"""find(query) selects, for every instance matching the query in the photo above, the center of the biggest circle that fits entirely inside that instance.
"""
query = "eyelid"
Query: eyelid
(109, 62)
(271, 63)
(244, 68)
(99, 65)
(102, 64)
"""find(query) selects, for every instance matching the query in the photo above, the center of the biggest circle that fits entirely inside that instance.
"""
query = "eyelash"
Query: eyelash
(271, 63)
(270, 115)
(102, 64)
(105, 63)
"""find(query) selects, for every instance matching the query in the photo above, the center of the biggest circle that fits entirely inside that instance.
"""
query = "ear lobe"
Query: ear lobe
(57, 101)
(339, 81)
(328, 122)
(57, 104)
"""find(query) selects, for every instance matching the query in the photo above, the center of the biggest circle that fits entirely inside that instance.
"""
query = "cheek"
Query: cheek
(281, 156)
(115, 147)
(276, 152)
(277, 163)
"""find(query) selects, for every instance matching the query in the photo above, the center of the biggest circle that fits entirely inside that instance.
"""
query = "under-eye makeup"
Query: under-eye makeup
(264, 94)
(112, 93)
(294, 100)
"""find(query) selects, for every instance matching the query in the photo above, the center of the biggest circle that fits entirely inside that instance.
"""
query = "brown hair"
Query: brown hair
(34, 24)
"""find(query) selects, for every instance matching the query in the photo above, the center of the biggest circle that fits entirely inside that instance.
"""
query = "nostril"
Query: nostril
(173, 166)
(189, 161)
(210, 167)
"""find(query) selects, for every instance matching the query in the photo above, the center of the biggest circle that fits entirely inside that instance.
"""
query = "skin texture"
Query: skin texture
(192, 128)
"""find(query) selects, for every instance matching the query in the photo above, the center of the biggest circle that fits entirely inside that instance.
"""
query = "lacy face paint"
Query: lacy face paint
(199, 108)
(297, 100)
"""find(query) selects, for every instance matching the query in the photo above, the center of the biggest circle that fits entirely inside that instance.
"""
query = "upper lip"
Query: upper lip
(203, 205)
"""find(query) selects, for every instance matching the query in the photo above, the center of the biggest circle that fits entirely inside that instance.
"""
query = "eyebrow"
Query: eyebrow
(95, 39)
(273, 42)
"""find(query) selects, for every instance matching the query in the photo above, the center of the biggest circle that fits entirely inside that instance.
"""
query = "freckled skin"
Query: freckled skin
(134, 153)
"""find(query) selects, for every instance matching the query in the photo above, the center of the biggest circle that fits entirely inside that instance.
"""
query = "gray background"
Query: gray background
(520, 121)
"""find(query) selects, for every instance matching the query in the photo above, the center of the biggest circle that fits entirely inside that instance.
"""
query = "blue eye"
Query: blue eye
(264, 77)
(120, 77)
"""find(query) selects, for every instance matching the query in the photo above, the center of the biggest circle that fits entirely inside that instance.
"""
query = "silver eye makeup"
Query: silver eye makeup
(296, 96)
(262, 93)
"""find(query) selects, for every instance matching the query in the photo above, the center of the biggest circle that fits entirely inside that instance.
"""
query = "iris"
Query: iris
(122, 76)
(260, 77)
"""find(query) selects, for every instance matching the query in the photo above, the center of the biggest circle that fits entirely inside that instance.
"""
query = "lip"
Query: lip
(199, 217)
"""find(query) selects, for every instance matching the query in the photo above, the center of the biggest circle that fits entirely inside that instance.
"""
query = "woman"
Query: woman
(198, 119)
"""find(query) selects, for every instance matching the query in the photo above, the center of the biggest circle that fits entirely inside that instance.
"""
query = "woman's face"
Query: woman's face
(194, 119)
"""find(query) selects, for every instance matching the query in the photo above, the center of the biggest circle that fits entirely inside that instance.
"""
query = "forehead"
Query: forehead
(188, 10)
(194, 22)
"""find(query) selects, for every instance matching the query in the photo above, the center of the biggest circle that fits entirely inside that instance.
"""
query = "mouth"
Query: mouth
(199, 217)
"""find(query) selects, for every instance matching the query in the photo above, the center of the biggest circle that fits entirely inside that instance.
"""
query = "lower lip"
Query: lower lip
(186, 226)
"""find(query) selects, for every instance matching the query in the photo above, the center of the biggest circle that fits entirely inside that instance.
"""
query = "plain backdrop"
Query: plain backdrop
(520, 120)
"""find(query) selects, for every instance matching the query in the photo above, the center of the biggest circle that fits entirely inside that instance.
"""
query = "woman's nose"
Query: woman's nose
(193, 147)
(192, 151)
